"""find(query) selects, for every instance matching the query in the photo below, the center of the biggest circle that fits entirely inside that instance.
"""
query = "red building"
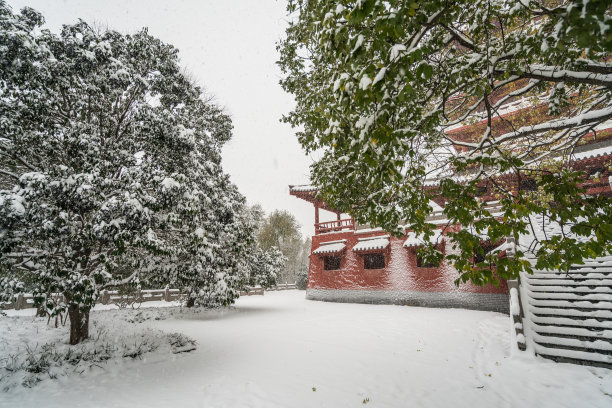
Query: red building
(352, 263)
(349, 263)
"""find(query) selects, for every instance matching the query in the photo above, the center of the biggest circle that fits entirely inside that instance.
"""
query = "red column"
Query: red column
(316, 218)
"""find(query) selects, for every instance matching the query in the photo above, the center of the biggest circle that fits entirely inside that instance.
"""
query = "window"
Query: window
(528, 185)
(331, 263)
(422, 264)
(373, 261)
(481, 190)
(478, 257)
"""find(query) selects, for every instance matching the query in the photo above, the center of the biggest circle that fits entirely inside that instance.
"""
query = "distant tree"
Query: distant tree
(110, 170)
(265, 266)
(257, 215)
(282, 230)
(378, 84)
(305, 254)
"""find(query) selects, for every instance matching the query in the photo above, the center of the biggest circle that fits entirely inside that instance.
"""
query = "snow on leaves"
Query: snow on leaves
(405, 92)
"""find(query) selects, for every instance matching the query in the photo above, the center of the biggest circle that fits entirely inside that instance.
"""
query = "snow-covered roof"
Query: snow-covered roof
(413, 240)
(589, 154)
(544, 229)
(372, 243)
(368, 230)
(303, 187)
(481, 235)
(330, 247)
(436, 208)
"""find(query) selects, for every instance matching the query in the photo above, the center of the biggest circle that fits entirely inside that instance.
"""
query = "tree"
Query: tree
(257, 216)
(110, 170)
(282, 230)
(265, 266)
(380, 85)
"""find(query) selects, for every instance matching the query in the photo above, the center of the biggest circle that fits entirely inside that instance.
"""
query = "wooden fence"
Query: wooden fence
(26, 301)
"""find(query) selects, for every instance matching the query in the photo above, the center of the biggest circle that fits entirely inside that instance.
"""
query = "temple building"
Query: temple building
(360, 263)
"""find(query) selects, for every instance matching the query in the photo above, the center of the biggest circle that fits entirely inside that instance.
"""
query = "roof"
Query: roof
(413, 240)
(583, 152)
(302, 187)
(330, 247)
(542, 229)
(372, 243)
(309, 193)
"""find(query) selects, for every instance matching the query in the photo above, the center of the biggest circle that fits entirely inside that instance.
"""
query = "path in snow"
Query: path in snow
(271, 351)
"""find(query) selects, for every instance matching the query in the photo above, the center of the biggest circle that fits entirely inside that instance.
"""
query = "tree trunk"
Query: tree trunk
(79, 324)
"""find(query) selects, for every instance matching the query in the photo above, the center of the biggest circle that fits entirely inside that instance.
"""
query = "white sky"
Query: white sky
(230, 48)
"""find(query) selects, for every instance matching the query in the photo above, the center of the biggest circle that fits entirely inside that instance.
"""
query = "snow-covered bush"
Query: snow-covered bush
(110, 170)
(31, 363)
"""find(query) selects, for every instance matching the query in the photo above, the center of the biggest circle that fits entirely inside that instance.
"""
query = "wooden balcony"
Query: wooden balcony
(334, 226)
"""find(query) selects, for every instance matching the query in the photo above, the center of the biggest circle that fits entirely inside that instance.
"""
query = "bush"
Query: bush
(302, 280)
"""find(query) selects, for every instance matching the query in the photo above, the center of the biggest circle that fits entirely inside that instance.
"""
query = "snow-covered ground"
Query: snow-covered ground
(281, 350)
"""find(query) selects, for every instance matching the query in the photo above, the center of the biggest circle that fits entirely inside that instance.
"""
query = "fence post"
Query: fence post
(167, 294)
(21, 303)
(105, 297)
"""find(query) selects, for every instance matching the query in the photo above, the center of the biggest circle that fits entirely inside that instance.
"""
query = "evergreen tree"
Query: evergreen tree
(110, 170)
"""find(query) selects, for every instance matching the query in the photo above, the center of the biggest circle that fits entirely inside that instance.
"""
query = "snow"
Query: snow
(366, 244)
(330, 247)
(368, 230)
(169, 183)
(280, 350)
(364, 82)
(413, 240)
(515, 307)
(380, 75)
(396, 52)
(304, 187)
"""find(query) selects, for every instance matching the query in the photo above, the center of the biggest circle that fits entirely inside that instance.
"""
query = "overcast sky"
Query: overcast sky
(230, 48)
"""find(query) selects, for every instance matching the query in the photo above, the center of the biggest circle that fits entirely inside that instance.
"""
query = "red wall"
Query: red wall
(401, 273)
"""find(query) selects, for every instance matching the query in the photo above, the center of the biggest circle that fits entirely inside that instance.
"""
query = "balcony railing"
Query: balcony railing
(334, 226)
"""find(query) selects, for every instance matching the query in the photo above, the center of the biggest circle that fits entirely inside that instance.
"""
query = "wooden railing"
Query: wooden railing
(283, 286)
(334, 226)
(26, 300)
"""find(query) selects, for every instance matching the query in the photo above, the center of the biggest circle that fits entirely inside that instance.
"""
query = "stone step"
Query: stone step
(598, 346)
(574, 313)
(569, 313)
(605, 297)
(591, 269)
(569, 289)
(574, 332)
(574, 356)
(569, 282)
(573, 304)
(573, 276)
(570, 322)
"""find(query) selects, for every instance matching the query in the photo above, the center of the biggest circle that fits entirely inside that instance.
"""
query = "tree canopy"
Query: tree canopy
(282, 230)
(380, 87)
(110, 170)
